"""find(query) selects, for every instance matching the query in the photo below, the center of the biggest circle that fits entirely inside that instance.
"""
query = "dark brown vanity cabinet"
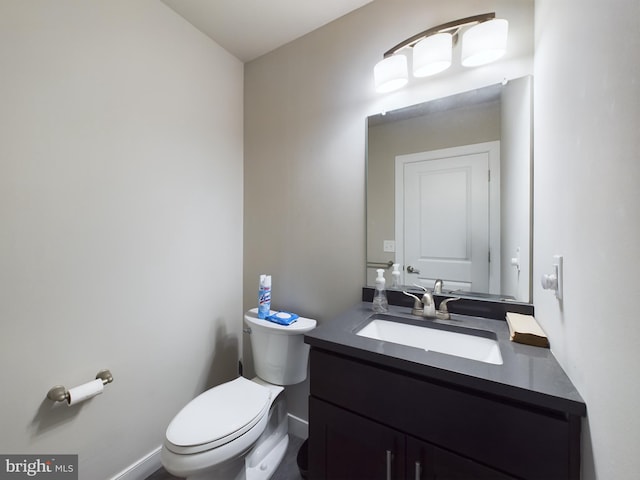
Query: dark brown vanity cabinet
(371, 422)
(348, 446)
(355, 448)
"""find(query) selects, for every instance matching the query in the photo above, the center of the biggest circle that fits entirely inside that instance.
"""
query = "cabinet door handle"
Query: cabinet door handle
(389, 460)
(418, 470)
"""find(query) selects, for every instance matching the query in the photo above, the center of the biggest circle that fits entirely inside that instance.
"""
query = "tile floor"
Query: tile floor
(288, 469)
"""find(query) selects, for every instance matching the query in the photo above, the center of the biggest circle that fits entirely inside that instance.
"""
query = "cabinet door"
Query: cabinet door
(346, 446)
(428, 462)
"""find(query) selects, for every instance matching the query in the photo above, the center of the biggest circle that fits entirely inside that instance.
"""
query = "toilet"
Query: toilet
(238, 430)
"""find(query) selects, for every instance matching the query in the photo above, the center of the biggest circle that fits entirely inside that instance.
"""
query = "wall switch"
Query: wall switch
(515, 261)
(553, 281)
(389, 245)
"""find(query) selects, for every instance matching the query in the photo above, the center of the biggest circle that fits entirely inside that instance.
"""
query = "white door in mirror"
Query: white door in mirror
(443, 216)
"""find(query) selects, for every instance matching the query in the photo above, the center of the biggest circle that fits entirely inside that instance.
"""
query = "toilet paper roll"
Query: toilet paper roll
(85, 391)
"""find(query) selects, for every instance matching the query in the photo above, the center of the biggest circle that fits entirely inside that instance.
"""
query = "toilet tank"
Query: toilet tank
(280, 355)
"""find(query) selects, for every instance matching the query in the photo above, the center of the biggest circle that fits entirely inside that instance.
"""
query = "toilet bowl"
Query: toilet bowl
(238, 430)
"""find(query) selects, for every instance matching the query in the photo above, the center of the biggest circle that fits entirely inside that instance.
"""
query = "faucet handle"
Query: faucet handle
(443, 310)
(417, 305)
(410, 295)
(427, 298)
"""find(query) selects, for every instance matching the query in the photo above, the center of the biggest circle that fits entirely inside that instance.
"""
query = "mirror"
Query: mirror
(449, 192)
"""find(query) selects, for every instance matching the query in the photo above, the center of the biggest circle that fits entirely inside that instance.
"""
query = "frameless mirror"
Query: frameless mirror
(449, 192)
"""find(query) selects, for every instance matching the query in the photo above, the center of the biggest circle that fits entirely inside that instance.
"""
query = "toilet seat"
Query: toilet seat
(218, 416)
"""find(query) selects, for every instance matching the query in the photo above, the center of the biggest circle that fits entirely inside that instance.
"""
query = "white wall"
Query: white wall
(516, 151)
(586, 181)
(120, 223)
(305, 124)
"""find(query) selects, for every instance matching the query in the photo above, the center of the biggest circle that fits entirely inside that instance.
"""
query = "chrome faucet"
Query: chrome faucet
(437, 287)
(424, 307)
(427, 306)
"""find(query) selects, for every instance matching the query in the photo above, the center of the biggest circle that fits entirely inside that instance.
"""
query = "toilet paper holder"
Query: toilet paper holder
(60, 394)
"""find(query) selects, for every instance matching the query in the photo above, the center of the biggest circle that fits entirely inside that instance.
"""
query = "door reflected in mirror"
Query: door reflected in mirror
(449, 192)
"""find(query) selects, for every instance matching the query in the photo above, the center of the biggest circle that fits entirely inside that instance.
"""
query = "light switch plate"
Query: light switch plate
(553, 281)
(389, 245)
(557, 265)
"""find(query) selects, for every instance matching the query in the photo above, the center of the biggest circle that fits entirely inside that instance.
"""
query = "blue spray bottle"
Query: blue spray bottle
(264, 296)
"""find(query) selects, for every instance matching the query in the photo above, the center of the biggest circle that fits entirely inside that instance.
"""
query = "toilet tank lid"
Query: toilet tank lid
(301, 325)
(220, 414)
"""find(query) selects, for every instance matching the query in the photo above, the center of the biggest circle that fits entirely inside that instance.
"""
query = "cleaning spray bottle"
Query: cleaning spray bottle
(264, 296)
(380, 304)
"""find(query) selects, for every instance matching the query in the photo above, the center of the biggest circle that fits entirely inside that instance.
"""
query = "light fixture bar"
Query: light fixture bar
(453, 25)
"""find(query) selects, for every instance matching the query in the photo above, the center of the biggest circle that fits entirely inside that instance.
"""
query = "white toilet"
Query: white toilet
(238, 430)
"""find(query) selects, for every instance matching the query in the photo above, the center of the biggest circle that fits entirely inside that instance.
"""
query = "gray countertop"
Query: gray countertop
(528, 374)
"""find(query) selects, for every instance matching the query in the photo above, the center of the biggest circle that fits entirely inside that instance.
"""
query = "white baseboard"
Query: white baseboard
(142, 468)
(151, 462)
(298, 427)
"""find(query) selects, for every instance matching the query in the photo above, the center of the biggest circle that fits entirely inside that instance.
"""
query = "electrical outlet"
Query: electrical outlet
(389, 245)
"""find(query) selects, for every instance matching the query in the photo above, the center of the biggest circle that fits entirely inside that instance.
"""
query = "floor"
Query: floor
(288, 469)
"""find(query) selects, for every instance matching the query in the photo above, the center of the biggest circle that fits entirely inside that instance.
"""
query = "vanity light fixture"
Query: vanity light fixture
(483, 41)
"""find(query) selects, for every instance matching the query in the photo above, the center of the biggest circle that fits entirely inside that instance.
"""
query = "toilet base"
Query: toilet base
(233, 470)
(257, 463)
(239, 469)
(265, 469)
(270, 448)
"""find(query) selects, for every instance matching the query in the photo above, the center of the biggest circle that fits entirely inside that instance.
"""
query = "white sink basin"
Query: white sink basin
(470, 345)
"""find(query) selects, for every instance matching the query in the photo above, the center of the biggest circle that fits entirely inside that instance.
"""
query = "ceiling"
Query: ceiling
(251, 28)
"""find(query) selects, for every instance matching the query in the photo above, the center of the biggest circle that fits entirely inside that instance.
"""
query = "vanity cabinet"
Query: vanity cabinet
(353, 447)
(368, 421)
(428, 462)
(348, 446)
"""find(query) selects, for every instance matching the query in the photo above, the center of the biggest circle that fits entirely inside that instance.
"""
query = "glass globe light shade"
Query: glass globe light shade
(432, 54)
(484, 43)
(391, 73)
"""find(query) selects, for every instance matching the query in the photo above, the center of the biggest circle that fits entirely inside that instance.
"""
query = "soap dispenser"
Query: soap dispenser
(395, 276)
(380, 304)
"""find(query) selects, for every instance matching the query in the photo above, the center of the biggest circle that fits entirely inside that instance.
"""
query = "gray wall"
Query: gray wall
(120, 223)
(121, 204)
(305, 126)
(305, 110)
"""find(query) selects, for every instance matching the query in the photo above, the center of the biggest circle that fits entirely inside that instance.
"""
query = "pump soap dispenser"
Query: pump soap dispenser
(395, 276)
(380, 304)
